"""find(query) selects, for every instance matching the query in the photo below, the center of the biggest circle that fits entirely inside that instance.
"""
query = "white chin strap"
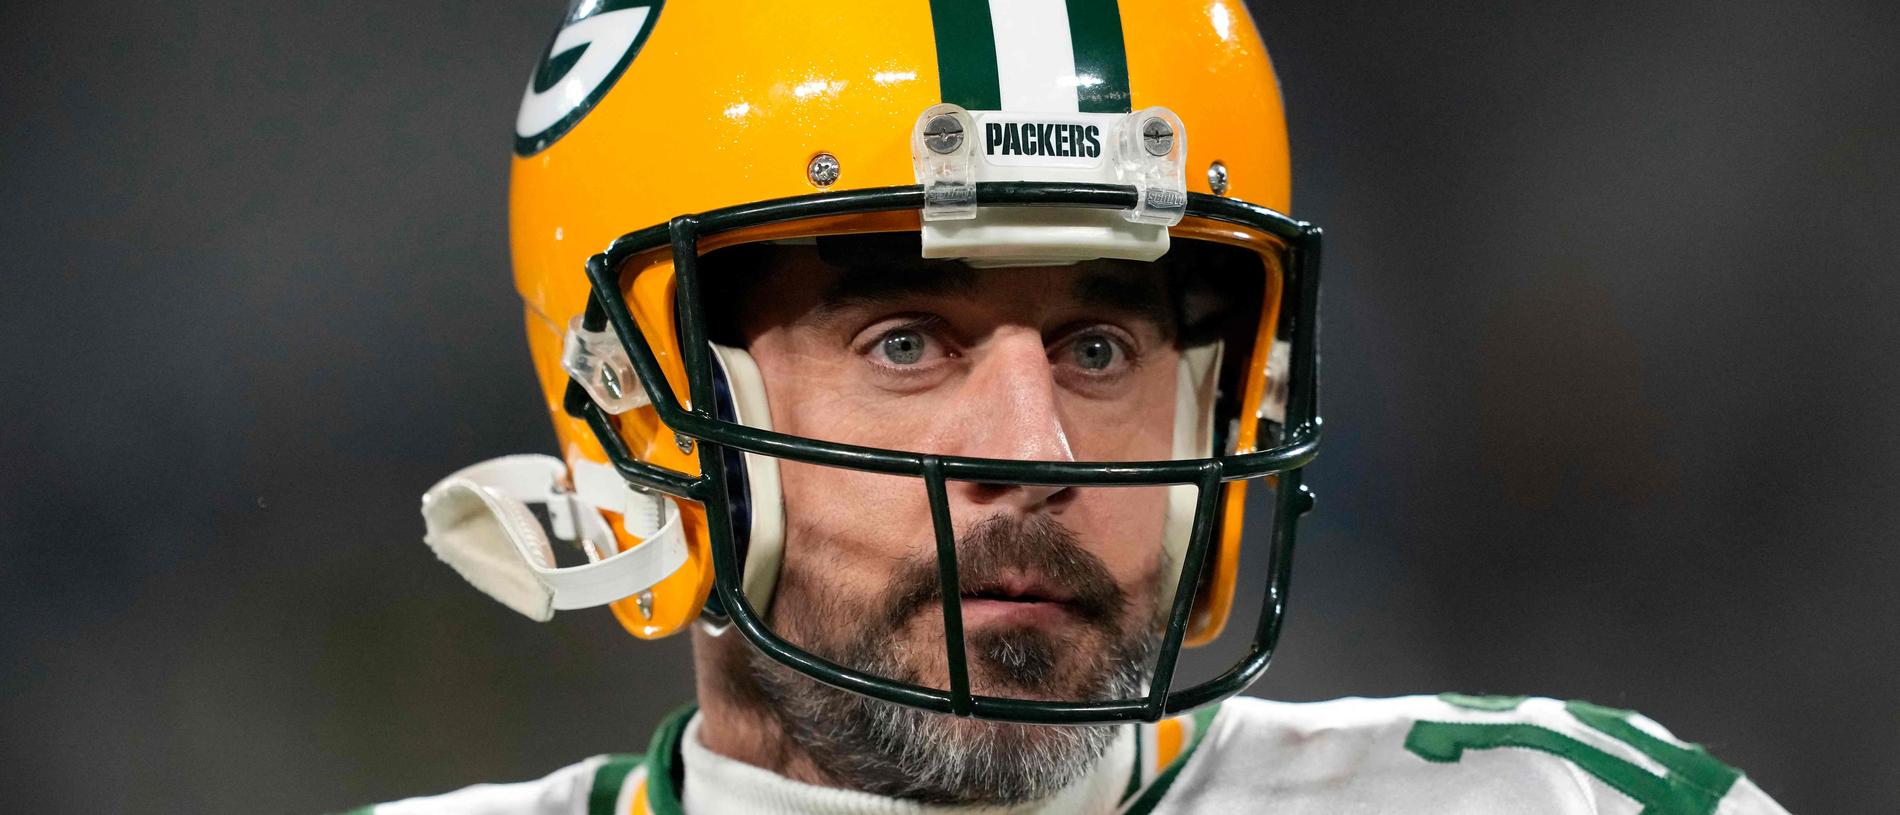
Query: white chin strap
(479, 523)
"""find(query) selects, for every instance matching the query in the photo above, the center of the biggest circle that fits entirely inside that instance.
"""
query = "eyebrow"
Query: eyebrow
(873, 286)
(1128, 291)
(1111, 289)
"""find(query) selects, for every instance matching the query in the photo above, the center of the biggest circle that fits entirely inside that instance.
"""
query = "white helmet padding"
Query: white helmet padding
(479, 523)
(759, 507)
(1195, 388)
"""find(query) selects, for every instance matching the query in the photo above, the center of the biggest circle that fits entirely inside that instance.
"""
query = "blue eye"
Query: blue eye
(1094, 352)
(904, 347)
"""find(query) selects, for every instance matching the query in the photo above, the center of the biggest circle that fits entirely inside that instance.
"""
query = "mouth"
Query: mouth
(1019, 599)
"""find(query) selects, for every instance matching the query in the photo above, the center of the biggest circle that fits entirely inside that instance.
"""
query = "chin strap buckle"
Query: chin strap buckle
(479, 523)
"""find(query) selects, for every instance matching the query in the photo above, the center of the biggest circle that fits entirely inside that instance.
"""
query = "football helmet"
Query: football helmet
(652, 134)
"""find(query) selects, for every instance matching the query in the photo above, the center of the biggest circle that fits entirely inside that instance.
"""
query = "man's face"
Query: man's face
(1059, 585)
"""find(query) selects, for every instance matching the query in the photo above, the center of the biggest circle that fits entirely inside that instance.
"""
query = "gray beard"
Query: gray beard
(903, 752)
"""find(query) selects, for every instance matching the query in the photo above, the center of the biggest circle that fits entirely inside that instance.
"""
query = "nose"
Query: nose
(1010, 412)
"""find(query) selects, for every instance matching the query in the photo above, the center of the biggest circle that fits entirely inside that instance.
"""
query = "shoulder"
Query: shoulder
(1453, 753)
(1251, 719)
(595, 785)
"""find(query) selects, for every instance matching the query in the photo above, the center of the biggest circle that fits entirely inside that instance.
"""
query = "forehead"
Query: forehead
(784, 282)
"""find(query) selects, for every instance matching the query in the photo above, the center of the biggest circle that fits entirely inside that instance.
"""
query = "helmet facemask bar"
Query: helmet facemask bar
(1297, 446)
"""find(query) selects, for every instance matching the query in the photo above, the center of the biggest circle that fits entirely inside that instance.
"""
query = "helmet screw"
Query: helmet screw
(645, 601)
(1157, 137)
(823, 170)
(683, 442)
(943, 133)
(611, 381)
(1217, 178)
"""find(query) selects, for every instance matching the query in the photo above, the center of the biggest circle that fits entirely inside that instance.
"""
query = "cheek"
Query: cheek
(1123, 527)
(846, 528)
(1136, 426)
(855, 526)
(817, 392)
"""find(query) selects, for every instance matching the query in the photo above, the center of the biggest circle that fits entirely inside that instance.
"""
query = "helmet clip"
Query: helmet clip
(598, 361)
(953, 150)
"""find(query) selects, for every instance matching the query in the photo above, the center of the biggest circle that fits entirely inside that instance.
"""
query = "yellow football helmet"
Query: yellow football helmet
(651, 134)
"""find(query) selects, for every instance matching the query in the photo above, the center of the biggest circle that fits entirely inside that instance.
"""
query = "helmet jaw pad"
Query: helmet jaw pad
(758, 505)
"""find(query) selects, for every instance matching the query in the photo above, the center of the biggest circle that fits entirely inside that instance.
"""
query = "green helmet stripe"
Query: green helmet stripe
(1037, 70)
(966, 53)
(1101, 60)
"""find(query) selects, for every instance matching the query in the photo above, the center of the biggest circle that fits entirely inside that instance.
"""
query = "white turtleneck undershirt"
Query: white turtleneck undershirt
(716, 785)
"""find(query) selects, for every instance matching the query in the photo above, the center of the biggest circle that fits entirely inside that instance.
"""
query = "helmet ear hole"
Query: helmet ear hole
(752, 480)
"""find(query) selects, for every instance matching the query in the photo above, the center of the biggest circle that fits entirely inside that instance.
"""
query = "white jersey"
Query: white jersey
(1417, 755)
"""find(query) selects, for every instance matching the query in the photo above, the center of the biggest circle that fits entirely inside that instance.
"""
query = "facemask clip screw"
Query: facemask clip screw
(611, 381)
(1157, 137)
(943, 134)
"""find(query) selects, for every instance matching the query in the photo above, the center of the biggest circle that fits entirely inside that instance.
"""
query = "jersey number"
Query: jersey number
(1694, 784)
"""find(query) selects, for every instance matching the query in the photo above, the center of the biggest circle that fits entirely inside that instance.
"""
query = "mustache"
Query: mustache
(991, 550)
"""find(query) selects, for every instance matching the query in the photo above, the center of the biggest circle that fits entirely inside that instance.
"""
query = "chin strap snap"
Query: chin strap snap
(479, 523)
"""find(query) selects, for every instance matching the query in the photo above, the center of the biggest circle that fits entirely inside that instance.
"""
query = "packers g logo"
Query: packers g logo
(596, 42)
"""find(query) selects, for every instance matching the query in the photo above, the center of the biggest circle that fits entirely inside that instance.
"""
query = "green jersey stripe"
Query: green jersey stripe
(966, 53)
(1101, 59)
(607, 780)
(1202, 720)
(664, 772)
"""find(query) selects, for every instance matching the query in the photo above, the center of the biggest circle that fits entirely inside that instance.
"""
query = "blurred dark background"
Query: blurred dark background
(1610, 323)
